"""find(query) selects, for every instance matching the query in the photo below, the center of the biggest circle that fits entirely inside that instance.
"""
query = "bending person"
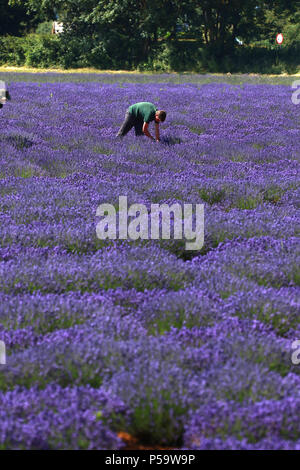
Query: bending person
(139, 116)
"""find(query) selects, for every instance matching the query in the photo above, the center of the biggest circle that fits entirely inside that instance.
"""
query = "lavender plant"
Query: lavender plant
(185, 349)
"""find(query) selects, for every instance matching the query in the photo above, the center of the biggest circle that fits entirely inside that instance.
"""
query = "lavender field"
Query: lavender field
(177, 348)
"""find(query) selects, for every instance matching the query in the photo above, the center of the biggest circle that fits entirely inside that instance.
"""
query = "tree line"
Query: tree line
(135, 30)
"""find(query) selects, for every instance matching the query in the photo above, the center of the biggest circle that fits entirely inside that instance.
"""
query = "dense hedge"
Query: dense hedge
(33, 50)
(45, 50)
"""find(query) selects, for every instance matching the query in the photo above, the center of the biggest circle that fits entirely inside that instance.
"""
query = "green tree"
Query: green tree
(129, 31)
(141, 23)
(219, 22)
(284, 21)
(14, 19)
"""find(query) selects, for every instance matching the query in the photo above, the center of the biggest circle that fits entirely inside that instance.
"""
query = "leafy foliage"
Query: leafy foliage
(129, 32)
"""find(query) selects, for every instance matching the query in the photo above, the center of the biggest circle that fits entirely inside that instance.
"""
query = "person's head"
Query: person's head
(160, 115)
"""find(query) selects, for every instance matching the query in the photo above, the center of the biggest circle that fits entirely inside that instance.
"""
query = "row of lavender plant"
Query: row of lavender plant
(185, 349)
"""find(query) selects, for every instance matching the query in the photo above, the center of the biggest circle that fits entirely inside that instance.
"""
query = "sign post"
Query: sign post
(279, 40)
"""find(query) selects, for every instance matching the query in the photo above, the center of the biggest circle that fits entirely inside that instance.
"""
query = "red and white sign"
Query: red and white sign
(279, 38)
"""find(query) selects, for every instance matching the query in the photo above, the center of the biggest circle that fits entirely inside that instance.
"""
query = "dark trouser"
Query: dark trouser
(130, 121)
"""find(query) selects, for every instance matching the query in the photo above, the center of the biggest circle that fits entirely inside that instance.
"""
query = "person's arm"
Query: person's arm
(157, 132)
(146, 131)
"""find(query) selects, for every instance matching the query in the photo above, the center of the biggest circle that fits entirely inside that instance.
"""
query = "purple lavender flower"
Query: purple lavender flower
(189, 349)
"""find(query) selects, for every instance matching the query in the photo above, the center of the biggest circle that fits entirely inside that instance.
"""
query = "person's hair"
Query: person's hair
(162, 115)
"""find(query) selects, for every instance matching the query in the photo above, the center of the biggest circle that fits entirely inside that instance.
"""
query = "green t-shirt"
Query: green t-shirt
(143, 110)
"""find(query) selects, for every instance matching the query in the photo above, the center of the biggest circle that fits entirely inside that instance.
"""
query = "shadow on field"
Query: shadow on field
(170, 140)
(17, 140)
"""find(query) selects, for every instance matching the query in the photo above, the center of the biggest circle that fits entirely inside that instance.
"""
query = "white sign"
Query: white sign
(279, 38)
(57, 27)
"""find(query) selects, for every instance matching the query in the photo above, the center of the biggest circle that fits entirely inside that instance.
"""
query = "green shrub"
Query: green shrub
(35, 50)
(44, 28)
(43, 51)
(117, 52)
(12, 50)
